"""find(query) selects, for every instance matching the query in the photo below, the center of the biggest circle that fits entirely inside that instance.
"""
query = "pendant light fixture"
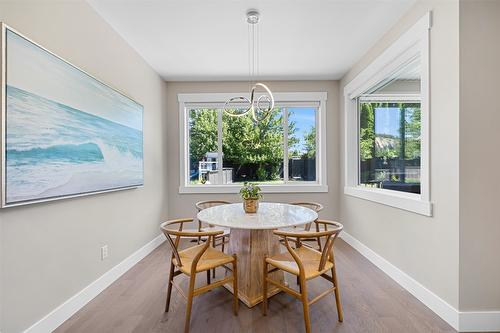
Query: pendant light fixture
(259, 107)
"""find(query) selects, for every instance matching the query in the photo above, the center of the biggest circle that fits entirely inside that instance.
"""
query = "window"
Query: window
(389, 134)
(386, 110)
(281, 153)
(389, 145)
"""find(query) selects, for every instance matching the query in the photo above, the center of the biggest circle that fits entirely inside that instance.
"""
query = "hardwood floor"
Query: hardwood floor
(372, 303)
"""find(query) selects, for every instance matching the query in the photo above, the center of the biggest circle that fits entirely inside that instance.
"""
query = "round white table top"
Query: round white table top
(270, 215)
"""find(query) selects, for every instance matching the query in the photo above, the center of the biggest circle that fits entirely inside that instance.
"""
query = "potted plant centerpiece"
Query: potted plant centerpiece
(250, 193)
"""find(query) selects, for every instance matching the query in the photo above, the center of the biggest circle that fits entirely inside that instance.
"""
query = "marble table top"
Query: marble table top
(270, 215)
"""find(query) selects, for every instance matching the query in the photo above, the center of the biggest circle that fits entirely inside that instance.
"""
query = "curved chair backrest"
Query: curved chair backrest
(169, 231)
(201, 205)
(326, 253)
(317, 207)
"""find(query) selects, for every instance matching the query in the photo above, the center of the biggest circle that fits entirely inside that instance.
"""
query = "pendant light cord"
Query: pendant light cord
(254, 104)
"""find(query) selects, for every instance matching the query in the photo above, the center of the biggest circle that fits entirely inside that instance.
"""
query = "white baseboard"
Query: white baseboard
(487, 321)
(483, 321)
(64, 311)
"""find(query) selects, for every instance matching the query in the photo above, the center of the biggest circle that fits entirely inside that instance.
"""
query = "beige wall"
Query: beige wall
(50, 251)
(479, 157)
(182, 205)
(426, 248)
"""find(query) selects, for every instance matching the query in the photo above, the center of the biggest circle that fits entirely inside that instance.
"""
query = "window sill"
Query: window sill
(266, 188)
(407, 201)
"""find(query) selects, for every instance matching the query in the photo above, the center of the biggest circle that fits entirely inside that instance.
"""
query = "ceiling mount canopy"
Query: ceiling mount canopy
(260, 107)
(253, 16)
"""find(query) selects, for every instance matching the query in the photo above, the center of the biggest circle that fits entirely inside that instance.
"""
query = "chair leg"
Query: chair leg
(213, 245)
(223, 241)
(236, 304)
(340, 313)
(208, 276)
(189, 304)
(169, 286)
(305, 304)
(264, 288)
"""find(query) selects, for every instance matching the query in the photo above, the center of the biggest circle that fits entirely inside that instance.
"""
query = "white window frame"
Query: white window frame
(414, 42)
(217, 100)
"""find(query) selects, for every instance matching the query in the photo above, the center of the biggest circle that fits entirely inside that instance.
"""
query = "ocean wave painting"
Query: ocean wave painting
(66, 132)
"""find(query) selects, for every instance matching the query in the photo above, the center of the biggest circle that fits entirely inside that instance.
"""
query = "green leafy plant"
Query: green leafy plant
(250, 192)
(261, 173)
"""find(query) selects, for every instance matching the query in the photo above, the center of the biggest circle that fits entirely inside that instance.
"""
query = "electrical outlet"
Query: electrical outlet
(104, 252)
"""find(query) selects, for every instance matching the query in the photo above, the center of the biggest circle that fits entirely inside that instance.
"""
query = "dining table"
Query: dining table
(251, 239)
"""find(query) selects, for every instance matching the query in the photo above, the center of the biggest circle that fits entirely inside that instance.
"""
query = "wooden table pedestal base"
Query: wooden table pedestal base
(251, 246)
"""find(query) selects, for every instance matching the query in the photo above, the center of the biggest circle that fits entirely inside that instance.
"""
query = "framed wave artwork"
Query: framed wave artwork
(63, 132)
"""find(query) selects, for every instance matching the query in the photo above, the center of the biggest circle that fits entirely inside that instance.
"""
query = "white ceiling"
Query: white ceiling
(203, 40)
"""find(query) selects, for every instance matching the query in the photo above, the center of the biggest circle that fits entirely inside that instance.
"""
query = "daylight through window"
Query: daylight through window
(226, 150)
(389, 144)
